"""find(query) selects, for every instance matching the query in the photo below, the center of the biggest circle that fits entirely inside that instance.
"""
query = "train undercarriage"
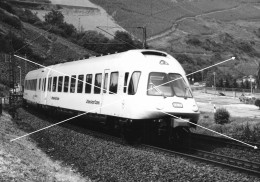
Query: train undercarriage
(166, 130)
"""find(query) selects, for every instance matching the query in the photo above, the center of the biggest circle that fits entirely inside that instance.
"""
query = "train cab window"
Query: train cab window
(105, 83)
(72, 84)
(113, 83)
(158, 85)
(39, 84)
(54, 84)
(49, 83)
(98, 80)
(88, 84)
(125, 81)
(80, 83)
(179, 85)
(66, 84)
(133, 83)
(60, 80)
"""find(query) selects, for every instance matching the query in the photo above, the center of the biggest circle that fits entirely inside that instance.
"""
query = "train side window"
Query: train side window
(88, 84)
(133, 83)
(105, 83)
(125, 81)
(80, 83)
(43, 85)
(113, 83)
(60, 80)
(40, 84)
(54, 84)
(44, 88)
(98, 80)
(33, 84)
(49, 83)
(72, 84)
(66, 84)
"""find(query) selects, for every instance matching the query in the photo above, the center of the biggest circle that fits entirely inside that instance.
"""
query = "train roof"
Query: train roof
(129, 58)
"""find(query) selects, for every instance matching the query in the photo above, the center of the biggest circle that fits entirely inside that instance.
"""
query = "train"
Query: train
(130, 91)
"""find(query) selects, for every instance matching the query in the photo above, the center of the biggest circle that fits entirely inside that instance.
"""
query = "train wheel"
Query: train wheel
(130, 132)
(179, 137)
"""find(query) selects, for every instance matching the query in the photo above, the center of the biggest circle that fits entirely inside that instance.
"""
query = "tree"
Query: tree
(234, 84)
(54, 17)
(122, 42)
(257, 103)
(227, 84)
(94, 41)
(247, 84)
(258, 74)
(221, 83)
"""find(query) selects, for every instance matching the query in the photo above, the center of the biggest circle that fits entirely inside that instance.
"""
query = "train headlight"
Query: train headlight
(177, 105)
(195, 108)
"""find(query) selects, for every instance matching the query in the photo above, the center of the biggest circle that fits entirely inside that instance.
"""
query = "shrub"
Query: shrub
(10, 19)
(221, 116)
(257, 103)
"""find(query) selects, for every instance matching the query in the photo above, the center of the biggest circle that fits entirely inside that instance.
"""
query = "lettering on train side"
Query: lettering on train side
(55, 98)
(92, 102)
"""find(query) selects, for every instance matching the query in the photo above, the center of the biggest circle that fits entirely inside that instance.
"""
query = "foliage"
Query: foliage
(54, 18)
(94, 41)
(68, 29)
(257, 32)
(6, 6)
(221, 116)
(10, 19)
(234, 84)
(220, 83)
(257, 103)
(248, 133)
(247, 84)
(194, 41)
(28, 16)
(258, 76)
(99, 43)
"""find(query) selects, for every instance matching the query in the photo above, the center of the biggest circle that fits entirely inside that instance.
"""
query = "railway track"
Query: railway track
(200, 155)
(216, 159)
(225, 141)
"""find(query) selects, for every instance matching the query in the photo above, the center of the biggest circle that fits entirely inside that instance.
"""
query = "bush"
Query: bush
(10, 19)
(221, 116)
(257, 103)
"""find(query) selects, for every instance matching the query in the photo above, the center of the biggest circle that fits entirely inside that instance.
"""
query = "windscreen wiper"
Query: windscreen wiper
(157, 89)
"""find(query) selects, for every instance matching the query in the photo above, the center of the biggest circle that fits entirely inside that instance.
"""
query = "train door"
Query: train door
(104, 90)
(47, 86)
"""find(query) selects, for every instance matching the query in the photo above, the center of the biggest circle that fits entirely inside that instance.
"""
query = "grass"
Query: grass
(159, 16)
(246, 129)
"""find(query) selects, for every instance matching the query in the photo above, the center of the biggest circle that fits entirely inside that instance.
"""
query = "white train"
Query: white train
(125, 89)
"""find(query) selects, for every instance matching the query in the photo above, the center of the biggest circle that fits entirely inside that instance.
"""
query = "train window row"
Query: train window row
(84, 83)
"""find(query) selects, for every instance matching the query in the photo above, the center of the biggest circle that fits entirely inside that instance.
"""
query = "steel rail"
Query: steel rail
(216, 159)
(224, 141)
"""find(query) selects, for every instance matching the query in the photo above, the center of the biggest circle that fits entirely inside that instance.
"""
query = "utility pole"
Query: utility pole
(144, 36)
(12, 79)
(214, 73)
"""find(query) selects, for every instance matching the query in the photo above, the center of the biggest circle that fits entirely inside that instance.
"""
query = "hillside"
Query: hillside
(197, 32)
(33, 43)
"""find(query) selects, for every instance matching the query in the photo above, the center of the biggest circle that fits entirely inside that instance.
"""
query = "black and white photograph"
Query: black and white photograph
(129, 90)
